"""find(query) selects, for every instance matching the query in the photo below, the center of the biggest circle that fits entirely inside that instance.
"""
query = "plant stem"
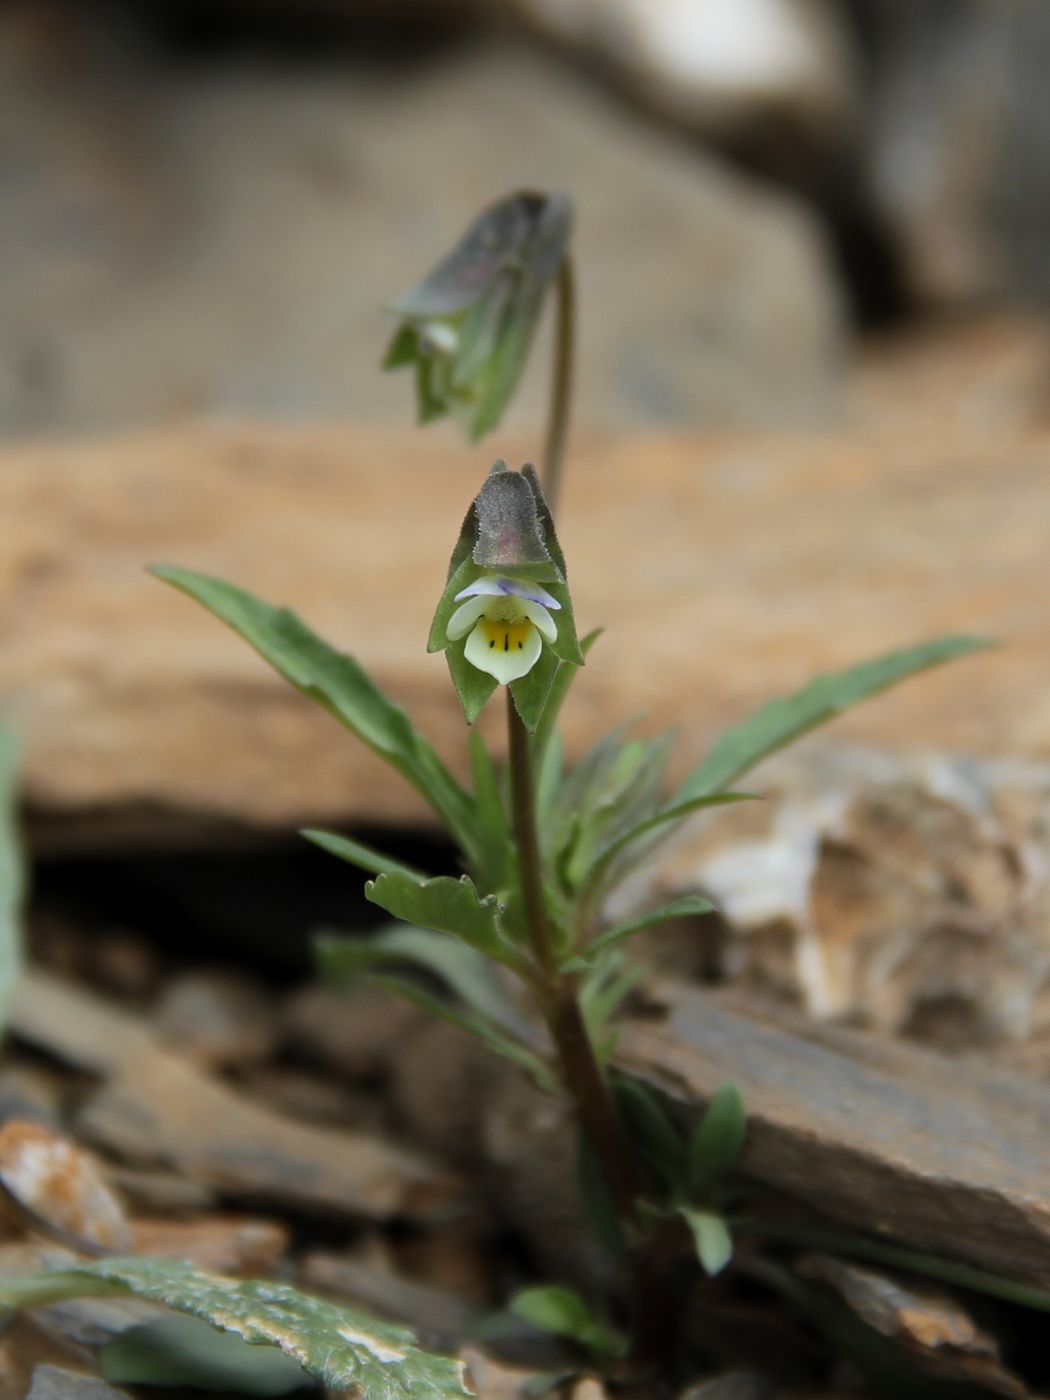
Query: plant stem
(653, 1261)
(587, 1085)
(561, 383)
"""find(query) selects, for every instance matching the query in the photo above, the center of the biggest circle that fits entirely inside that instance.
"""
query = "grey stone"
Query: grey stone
(56, 1383)
(881, 1137)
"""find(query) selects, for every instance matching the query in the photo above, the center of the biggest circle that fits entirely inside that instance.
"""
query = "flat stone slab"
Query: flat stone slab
(725, 570)
(877, 1135)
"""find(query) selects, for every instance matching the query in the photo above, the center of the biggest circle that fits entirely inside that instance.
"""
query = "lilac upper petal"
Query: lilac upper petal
(508, 587)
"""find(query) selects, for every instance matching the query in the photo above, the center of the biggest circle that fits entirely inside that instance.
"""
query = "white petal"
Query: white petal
(540, 618)
(506, 666)
(463, 619)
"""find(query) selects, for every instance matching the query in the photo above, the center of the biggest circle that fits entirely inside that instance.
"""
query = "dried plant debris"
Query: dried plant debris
(933, 1326)
(911, 895)
(62, 1183)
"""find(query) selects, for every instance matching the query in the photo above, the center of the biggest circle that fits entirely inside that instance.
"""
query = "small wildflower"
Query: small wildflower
(496, 619)
(510, 623)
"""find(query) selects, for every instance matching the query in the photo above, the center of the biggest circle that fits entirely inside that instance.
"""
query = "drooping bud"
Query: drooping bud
(468, 326)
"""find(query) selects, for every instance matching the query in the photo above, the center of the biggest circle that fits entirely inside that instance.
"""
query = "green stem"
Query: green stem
(561, 383)
(652, 1261)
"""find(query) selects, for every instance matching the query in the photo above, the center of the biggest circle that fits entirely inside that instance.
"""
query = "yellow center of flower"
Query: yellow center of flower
(503, 635)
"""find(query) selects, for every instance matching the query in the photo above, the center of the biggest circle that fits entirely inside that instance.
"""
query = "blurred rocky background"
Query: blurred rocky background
(813, 425)
(206, 203)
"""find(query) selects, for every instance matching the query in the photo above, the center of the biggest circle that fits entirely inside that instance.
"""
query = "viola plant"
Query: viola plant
(519, 949)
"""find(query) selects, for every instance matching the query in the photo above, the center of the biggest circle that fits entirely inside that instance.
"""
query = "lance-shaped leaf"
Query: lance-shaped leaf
(688, 906)
(342, 1348)
(718, 1141)
(714, 1243)
(357, 853)
(449, 906)
(468, 974)
(782, 721)
(336, 681)
(467, 328)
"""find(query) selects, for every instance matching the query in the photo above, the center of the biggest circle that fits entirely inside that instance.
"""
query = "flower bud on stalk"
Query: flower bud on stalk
(468, 326)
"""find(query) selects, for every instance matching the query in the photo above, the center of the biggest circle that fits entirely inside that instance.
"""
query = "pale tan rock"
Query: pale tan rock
(727, 571)
(909, 894)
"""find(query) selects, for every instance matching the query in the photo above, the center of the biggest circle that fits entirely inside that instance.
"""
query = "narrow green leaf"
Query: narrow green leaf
(357, 853)
(602, 992)
(552, 1308)
(782, 721)
(505, 1045)
(688, 905)
(714, 1243)
(188, 1351)
(12, 876)
(598, 1201)
(447, 905)
(337, 682)
(718, 1141)
(342, 1348)
(677, 812)
(656, 1137)
(493, 827)
(468, 974)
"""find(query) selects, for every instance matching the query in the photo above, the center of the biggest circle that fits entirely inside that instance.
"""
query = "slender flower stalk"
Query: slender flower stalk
(561, 383)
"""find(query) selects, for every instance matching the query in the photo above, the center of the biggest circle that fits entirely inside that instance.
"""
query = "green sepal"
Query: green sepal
(531, 690)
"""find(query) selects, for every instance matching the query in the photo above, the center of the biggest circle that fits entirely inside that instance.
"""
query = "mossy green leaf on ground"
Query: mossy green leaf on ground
(342, 1348)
